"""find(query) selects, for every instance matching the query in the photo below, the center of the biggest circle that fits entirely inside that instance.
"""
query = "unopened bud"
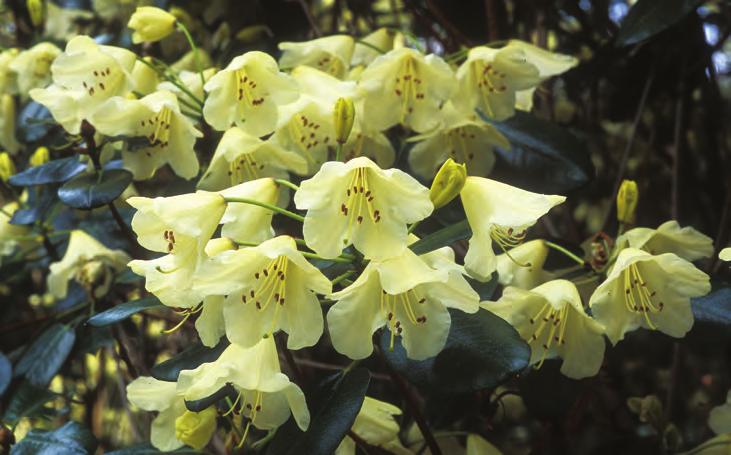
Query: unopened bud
(196, 428)
(39, 157)
(150, 24)
(7, 167)
(448, 183)
(36, 10)
(649, 410)
(219, 245)
(627, 197)
(344, 118)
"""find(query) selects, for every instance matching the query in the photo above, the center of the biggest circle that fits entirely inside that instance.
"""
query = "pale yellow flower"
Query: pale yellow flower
(361, 204)
(644, 290)
(248, 222)
(9, 233)
(8, 77)
(330, 54)
(268, 288)
(7, 124)
(669, 237)
(383, 39)
(376, 424)
(552, 320)
(725, 254)
(89, 263)
(501, 213)
(33, 66)
(150, 24)
(145, 78)
(191, 80)
(522, 267)
(719, 418)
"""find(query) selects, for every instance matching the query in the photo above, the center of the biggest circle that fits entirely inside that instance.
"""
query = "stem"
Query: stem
(173, 80)
(369, 45)
(315, 256)
(287, 183)
(273, 208)
(122, 225)
(185, 31)
(412, 227)
(566, 252)
(339, 152)
(341, 277)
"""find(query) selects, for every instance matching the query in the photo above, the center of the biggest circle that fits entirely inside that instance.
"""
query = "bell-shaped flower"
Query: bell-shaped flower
(145, 78)
(241, 157)
(403, 86)
(725, 254)
(410, 295)
(669, 237)
(552, 320)
(8, 140)
(248, 94)
(268, 288)
(8, 77)
(383, 39)
(181, 227)
(522, 267)
(169, 136)
(501, 213)
(84, 76)
(330, 54)
(88, 262)
(33, 66)
(361, 204)
(150, 394)
(460, 136)
(644, 290)
(370, 143)
(375, 424)
(196, 428)
(266, 397)
(191, 80)
(210, 324)
(248, 222)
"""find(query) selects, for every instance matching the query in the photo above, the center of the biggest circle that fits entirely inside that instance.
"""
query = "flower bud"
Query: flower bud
(344, 118)
(150, 24)
(39, 157)
(448, 183)
(649, 409)
(36, 10)
(7, 167)
(196, 428)
(627, 197)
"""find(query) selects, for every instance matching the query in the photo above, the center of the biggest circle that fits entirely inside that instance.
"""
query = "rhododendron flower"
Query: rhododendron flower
(248, 222)
(7, 124)
(501, 213)
(89, 263)
(268, 288)
(169, 135)
(84, 76)
(383, 39)
(410, 294)
(266, 397)
(669, 237)
(248, 94)
(361, 204)
(522, 267)
(33, 66)
(330, 54)
(552, 320)
(403, 86)
(644, 290)
(376, 425)
(725, 254)
(150, 24)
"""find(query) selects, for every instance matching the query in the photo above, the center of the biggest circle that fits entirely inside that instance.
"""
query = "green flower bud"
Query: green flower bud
(150, 24)
(627, 197)
(39, 157)
(36, 10)
(7, 167)
(344, 118)
(448, 183)
(196, 428)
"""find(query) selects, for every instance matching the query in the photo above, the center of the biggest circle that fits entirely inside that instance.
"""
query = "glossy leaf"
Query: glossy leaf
(187, 360)
(481, 352)
(650, 17)
(6, 373)
(42, 360)
(90, 191)
(70, 439)
(714, 307)
(203, 403)
(123, 311)
(26, 401)
(55, 171)
(443, 237)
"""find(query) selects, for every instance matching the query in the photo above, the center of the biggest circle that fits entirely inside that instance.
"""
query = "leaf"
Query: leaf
(90, 191)
(187, 360)
(26, 401)
(486, 289)
(443, 237)
(650, 17)
(6, 373)
(714, 307)
(70, 439)
(42, 360)
(147, 449)
(547, 393)
(544, 157)
(481, 352)
(330, 423)
(38, 205)
(203, 403)
(55, 171)
(123, 311)
(34, 122)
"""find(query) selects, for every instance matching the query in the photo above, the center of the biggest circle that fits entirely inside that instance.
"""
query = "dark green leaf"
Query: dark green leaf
(486, 289)
(544, 156)
(714, 307)
(6, 373)
(52, 172)
(70, 439)
(123, 311)
(147, 449)
(90, 191)
(34, 122)
(127, 276)
(547, 392)
(38, 205)
(91, 339)
(187, 360)
(330, 422)
(203, 403)
(443, 237)
(649, 17)
(26, 401)
(481, 352)
(42, 360)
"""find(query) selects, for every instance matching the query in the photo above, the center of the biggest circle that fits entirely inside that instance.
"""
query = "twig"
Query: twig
(313, 23)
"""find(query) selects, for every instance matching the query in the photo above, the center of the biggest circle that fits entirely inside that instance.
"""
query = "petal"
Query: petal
(480, 260)
(151, 394)
(162, 431)
(302, 318)
(245, 222)
(210, 324)
(424, 340)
